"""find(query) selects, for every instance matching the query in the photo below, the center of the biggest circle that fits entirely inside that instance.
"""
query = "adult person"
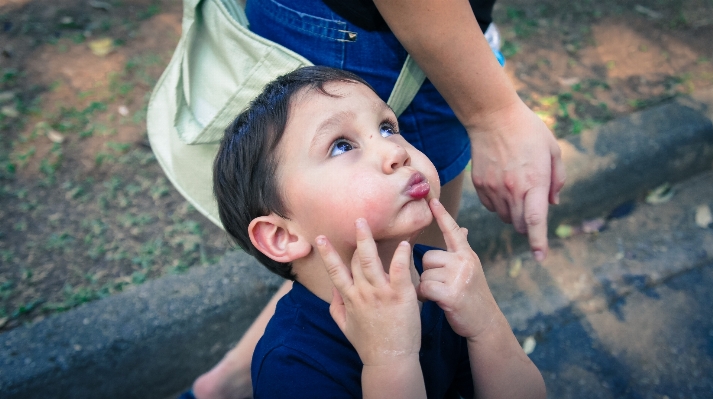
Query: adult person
(516, 163)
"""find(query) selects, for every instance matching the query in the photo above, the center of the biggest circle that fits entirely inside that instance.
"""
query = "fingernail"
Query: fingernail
(436, 202)
(539, 256)
(360, 222)
(557, 199)
(320, 241)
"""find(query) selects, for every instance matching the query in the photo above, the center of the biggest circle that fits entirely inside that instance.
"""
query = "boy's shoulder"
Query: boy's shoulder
(303, 345)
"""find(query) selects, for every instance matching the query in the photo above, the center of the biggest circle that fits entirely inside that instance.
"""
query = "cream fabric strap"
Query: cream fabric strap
(410, 80)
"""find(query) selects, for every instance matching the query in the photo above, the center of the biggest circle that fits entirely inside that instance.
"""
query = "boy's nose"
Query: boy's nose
(395, 156)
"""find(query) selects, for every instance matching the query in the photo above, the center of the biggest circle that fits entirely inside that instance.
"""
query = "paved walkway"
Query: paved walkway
(625, 313)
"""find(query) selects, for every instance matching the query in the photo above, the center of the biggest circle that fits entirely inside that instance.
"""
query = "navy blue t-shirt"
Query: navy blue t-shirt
(304, 354)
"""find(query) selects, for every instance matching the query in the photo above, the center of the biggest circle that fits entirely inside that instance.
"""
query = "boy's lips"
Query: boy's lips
(417, 186)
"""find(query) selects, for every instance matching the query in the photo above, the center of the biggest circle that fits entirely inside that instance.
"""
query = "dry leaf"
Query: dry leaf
(660, 194)
(6, 96)
(593, 225)
(528, 346)
(515, 267)
(55, 136)
(101, 5)
(9, 111)
(703, 216)
(648, 12)
(568, 81)
(101, 47)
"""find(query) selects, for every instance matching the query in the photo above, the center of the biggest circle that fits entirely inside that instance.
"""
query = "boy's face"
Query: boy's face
(341, 158)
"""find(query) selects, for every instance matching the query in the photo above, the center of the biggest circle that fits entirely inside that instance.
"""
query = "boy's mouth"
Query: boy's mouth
(417, 186)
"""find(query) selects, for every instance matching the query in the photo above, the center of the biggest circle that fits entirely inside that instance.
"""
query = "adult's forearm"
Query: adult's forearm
(444, 38)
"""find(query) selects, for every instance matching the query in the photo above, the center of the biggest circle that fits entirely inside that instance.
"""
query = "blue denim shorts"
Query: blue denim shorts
(310, 28)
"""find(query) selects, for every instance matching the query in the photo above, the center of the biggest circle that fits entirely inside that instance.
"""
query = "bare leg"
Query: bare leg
(231, 377)
(450, 198)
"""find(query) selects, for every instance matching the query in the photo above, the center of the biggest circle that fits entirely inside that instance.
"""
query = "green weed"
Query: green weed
(26, 308)
(58, 241)
(149, 12)
(509, 49)
(6, 288)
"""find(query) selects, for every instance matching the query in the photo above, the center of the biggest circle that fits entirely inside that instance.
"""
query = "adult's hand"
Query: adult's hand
(517, 169)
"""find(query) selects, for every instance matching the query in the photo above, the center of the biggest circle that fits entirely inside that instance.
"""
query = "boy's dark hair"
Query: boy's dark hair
(244, 172)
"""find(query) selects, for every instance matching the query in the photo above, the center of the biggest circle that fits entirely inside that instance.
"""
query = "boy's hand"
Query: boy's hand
(454, 279)
(378, 312)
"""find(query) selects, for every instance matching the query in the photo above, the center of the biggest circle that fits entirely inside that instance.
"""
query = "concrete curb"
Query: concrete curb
(154, 340)
(149, 342)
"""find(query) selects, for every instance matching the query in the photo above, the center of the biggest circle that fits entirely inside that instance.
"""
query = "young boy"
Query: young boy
(314, 180)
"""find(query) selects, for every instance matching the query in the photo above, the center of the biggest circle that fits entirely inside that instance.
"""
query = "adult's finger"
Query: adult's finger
(502, 208)
(536, 218)
(338, 272)
(400, 268)
(369, 264)
(517, 214)
(558, 175)
(451, 231)
(487, 203)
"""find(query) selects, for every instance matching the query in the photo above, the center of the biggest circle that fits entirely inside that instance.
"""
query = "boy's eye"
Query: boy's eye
(340, 146)
(387, 129)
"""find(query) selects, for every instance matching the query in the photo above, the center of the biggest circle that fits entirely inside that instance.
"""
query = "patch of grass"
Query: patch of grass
(26, 308)
(159, 189)
(509, 49)
(8, 75)
(6, 288)
(112, 186)
(130, 220)
(74, 297)
(59, 241)
(118, 147)
(20, 225)
(50, 164)
(148, 253)
(522, 25)
(22, 158)
(27, 206)
(149, 12)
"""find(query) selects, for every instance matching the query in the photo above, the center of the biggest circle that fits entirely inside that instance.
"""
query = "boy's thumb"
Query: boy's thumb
(338, 310)
(419, 294)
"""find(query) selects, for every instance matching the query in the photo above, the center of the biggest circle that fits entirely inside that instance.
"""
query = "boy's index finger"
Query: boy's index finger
(449, 227)
(369, 264)
(400, 269)
(338, 272)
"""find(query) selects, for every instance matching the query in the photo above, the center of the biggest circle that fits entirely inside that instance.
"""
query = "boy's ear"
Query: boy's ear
(273, 236)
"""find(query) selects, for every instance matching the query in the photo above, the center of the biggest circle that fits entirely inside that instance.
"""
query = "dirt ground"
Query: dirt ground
(85, 210)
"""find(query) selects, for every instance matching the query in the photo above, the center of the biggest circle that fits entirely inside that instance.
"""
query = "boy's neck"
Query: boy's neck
(312, 273)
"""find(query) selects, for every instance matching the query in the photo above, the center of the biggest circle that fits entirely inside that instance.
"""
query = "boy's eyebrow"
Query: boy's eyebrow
(328, 124)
